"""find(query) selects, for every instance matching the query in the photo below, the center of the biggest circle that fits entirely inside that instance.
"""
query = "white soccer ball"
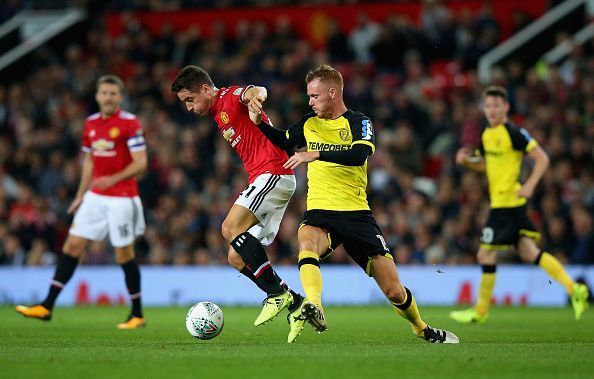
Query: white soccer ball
(204, 320)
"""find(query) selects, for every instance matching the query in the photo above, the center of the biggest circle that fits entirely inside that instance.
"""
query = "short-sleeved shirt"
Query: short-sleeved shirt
(110, 141)
(503, 148)
(332, 186)
(258, 154)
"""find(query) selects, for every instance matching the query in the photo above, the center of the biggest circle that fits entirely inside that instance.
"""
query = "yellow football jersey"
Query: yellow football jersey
(503, 148)
(333, 186)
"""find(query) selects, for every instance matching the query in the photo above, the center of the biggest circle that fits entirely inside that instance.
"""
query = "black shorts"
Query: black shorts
(356, 230)
(505, 226)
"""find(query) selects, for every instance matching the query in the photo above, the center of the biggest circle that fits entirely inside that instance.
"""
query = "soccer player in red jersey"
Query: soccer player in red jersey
(107, 200)
(254, 219)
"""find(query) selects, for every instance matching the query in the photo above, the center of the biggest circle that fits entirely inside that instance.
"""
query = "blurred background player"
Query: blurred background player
(338, 142)
(501, 150)
(114, 154)
(254, 219)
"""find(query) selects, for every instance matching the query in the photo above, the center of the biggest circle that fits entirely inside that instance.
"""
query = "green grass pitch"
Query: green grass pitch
(361, 342)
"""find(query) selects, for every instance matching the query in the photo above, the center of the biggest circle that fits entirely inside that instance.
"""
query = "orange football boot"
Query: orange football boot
(133, 322)
(35, 311)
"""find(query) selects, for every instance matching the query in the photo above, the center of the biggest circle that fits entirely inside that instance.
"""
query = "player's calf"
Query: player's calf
(253, 254)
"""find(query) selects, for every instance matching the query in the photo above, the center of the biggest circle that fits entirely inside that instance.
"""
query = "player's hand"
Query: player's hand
(104, 182)
(527, 190)
(301, 157)
(462, 156)
(74, 206)
(255, 104)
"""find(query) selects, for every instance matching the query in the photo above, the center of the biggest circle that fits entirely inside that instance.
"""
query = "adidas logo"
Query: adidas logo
(240, 241)
(278, 302)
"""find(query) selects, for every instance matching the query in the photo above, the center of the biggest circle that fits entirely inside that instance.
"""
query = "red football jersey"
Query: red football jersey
(258, 154)
(110, 142)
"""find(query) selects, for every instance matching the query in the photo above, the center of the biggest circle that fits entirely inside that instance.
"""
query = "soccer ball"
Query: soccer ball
(204, 320)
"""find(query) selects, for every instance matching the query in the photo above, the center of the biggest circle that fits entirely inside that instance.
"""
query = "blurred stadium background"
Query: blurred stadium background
(416, 67)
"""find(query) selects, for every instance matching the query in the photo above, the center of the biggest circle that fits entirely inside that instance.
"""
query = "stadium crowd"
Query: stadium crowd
(424, 102)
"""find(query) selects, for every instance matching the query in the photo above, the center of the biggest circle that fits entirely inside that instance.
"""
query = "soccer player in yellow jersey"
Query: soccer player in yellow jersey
(338, 142)
(500, 154)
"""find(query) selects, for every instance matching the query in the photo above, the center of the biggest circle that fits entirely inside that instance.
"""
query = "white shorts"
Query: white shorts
(267, 198)
(98, 215)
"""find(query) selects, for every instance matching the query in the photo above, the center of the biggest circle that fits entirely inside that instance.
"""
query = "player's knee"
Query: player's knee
(229, 230)
(74, 247)
(124, 255)
(527, 249)
(395, 293)
(486, 256)
(307, 245)
(528, 255)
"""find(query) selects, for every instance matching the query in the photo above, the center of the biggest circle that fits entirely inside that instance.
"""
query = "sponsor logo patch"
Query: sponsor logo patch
(228, 134)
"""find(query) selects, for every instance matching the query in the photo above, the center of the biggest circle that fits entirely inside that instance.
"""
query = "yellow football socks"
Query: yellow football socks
(555, 269)
(311, 276)
(408, 310)
(486, 289)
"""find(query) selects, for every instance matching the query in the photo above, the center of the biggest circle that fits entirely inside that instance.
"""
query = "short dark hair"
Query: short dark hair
(111, 79)
(325, 73)
(496, 91)
(191, 78)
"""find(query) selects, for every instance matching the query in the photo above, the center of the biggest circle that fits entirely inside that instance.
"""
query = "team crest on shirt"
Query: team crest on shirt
(114, 132)
(344, 134)
(224, 117)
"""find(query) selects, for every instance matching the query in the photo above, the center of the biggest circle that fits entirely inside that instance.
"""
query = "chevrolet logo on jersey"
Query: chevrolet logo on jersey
(319, 146)
(102, 145)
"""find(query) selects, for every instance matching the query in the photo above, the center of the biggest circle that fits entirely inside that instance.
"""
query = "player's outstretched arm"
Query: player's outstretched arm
(355, 156)
(277, 136)
(541, 164)
(301, 157)
(465, 158)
